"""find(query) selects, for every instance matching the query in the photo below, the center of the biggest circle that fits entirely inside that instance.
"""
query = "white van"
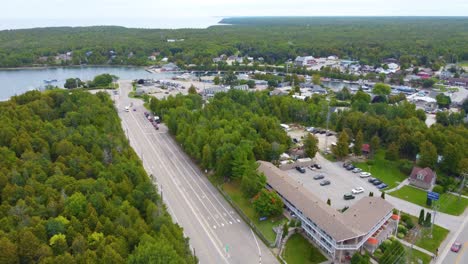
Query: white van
(127, 109)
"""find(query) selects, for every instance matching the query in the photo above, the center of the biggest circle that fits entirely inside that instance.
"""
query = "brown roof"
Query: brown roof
(427, 173)
(366, 213)
(339, 226)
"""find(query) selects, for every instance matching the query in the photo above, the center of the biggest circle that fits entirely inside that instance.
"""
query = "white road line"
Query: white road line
(256, 242)
(184, 160)
(185, 176)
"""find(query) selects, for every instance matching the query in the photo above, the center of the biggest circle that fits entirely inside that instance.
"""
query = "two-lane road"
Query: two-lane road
(215, 230)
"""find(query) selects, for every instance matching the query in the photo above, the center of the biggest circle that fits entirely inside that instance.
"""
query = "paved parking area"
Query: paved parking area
(342, 181)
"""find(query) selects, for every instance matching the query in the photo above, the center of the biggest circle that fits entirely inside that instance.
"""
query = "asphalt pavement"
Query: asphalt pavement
(217, 233)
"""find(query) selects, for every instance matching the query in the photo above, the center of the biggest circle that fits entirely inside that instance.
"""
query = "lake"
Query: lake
(21, 80)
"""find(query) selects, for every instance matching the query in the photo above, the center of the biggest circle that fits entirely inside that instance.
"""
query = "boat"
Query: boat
(50, 81)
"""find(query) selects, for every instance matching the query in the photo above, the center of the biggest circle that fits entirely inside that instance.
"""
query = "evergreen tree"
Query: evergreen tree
(341, 149)
(371, 194)
(428, 221)
(358, 141)
(421, 217)
(329, 201)
(382, 195)
(374, 144)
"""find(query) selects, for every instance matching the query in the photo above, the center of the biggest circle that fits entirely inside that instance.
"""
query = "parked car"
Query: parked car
(329, 133)
(325, 182)
(346, 164)
(357, 190)
(317, 166)
(456, 247)
(371, 180)
(350, 167)
(319, 177)
(348, 196)
(377, 182)
(300, 169)
(364, 174)
(146, 114)
(357, 170)
(382, 186)
(295, 140)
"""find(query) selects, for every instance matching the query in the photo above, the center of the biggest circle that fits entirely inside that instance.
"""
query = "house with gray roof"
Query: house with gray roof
(365, 224)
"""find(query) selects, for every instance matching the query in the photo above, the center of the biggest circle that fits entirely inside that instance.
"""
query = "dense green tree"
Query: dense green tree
(268, 203)
(443, 100)
(341, 149)
(9, 251)
(374, 144)
(358, 141)
(71, 83)
(310, 145)
(252, 182)
(381, 89)
(427, 155)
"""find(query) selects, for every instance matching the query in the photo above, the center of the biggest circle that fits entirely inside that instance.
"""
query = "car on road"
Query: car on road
(357, 170)
(146, 114)
(317, 166)
(295, 140)
(319, 177)
(300, 169)
(456, 247)
(357, 190)
(325, 182)
(348, 196)
(382, 186)
(364, 174)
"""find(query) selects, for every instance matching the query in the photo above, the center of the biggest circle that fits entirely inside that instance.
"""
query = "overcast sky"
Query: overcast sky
(149, 8)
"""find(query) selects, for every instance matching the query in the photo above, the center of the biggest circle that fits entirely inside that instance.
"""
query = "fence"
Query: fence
(246, 218)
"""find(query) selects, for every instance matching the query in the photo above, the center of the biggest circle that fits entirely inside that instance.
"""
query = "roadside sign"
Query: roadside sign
(433, 196)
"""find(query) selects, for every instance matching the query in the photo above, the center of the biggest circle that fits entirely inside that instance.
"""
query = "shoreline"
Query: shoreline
(69, 66)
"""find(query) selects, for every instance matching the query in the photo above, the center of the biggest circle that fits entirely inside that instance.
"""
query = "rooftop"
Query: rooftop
(358, 220)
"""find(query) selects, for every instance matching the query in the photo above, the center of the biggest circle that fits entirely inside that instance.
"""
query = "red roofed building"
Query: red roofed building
(365, 149)
(422, 178)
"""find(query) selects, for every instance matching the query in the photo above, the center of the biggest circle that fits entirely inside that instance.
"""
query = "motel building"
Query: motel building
(364, 225)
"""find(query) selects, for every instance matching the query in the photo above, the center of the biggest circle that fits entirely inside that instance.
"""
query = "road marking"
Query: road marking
(222, 224)
(256, 242)
(230, 222)
(238, 220)
(183, 195)
(214, 227)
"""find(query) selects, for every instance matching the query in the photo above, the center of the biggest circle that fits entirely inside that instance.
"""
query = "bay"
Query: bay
(18, 81)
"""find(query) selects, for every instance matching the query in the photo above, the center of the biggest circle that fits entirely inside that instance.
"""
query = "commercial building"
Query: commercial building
(365, 224)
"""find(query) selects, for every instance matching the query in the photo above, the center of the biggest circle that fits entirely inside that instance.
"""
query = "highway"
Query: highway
(449, 257)
(217, 233)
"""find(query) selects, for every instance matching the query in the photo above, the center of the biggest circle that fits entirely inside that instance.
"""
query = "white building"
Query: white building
(365, 224)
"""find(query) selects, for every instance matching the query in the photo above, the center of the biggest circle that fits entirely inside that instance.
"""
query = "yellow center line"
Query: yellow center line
(460, 254)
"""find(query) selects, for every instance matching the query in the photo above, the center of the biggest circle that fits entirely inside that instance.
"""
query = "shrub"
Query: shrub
(401, 235)
(405, 218)
(402, 229)
(409, 223)
(438, 189)
(405, 166)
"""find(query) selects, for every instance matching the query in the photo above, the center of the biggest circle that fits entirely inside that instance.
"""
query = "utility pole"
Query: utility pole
(461, 185)
(328, 119)
(435, 208)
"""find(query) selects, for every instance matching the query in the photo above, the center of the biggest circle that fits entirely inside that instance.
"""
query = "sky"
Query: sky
(87, 11)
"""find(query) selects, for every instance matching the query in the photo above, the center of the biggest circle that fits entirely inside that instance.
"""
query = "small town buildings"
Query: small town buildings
(422, 178)
(458, 82)
(169, 67)
(367, 223)
(243, 87)
(304, 61)
(365, 149)
(210, 92)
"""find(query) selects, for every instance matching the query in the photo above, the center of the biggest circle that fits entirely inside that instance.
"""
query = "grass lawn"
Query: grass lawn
(424, 240)
(265, 227)
(448, 203)
(386, 171)
(415, 255)
(299, 251)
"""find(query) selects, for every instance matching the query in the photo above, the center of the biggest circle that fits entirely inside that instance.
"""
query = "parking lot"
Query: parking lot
(342, 181)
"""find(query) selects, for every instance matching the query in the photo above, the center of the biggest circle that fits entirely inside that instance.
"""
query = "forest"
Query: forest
(72, 190)
(422, 41)
(234, 129)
